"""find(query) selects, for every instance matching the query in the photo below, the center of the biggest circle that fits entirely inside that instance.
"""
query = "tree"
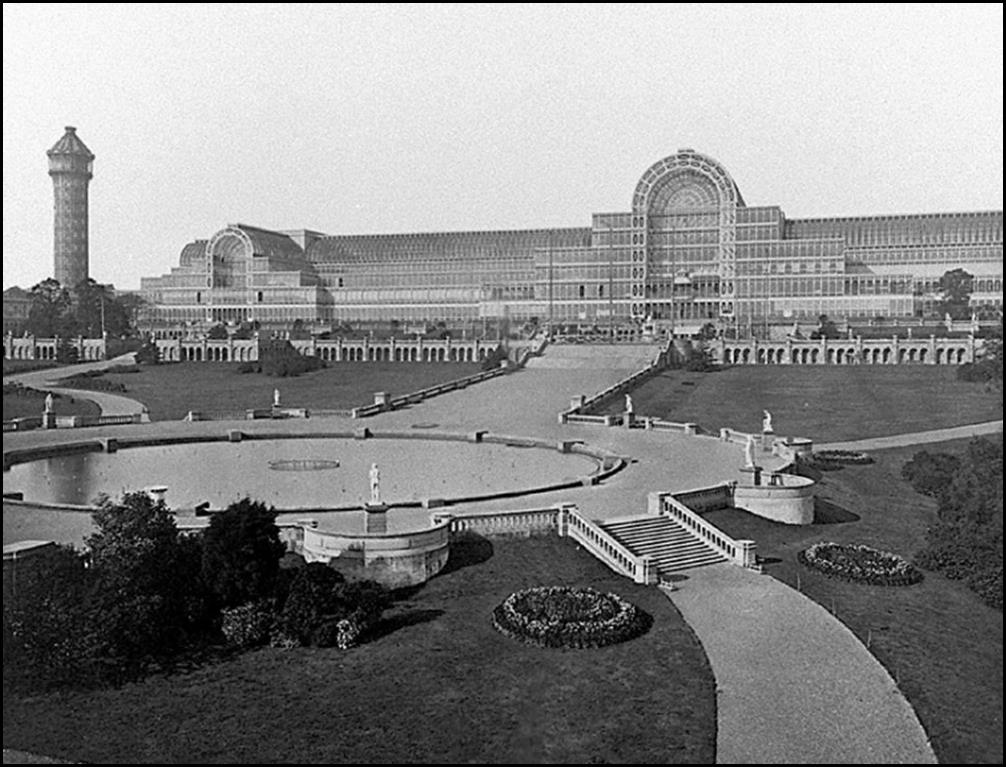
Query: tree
(140, 589)
(955, 293)
(241, 553)
(97, 312)
(217, 333)
(49, 313)
(826, 328)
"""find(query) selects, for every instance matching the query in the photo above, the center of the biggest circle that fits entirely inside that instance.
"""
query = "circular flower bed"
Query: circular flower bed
(559, 616)
(862, 564)
(842, 456)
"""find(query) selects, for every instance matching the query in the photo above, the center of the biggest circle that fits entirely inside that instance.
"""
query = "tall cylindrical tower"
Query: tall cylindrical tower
(70, 165)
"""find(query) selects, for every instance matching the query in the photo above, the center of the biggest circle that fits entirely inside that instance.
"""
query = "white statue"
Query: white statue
(766, 422)
(628, 404)
(275, 397)
(375, 485)
(48, 402)
(749, 448)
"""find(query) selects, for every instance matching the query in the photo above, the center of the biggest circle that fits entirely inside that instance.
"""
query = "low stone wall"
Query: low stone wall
(520, 523)
(395, 560)
(789, 501)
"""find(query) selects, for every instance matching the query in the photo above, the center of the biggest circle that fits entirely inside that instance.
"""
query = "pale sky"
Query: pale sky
(369, 119)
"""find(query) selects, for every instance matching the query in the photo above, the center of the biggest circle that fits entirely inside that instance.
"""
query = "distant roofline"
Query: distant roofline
(880, 216)
(586, 229)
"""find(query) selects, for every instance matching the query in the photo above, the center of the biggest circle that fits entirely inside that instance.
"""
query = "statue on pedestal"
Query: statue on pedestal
(766, 423)
(275, 397)
(628, 405)
(749, 448)
(48, 403)
(375, 485)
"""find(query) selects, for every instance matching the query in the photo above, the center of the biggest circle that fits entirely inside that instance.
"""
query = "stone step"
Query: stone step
(673, 547)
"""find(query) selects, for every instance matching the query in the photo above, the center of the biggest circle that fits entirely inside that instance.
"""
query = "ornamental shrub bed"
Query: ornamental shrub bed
(842, 456)
(860, 564)
(560, 616)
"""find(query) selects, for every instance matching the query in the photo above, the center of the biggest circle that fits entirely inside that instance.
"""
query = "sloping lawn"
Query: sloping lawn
(438, 684)
(171, 390)
(827, 403)
(26, 403)
(936, 638)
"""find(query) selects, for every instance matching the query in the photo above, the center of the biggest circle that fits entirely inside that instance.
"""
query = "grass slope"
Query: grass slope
(826, 403)
(26, 405)
(438, 684)
(942, 645)
(169, 391)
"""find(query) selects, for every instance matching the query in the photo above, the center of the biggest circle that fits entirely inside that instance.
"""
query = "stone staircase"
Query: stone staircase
(672, 546)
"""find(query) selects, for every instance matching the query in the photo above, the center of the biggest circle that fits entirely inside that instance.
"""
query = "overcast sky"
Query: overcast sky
(367, 119)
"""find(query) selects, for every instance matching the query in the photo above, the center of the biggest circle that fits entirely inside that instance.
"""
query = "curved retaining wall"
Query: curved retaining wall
(791, 502)
(394, 560)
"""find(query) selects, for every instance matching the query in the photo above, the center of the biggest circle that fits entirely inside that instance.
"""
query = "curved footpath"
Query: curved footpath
(110, 404)
(918, 437)
(794, 684)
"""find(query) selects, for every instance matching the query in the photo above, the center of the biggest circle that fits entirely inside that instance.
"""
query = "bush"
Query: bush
(930, 473)
(560, 616)
(280, 358)
(854, 457)
(325, 611)
(248, 625)
(860, 564)
(148, 354)
(241, 553)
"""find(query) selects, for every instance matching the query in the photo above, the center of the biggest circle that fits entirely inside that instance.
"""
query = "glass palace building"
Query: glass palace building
(689, 252)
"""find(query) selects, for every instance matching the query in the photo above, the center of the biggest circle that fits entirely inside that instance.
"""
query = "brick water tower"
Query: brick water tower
(70, 164)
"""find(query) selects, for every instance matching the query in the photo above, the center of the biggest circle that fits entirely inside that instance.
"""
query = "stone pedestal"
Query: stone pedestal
(755, 472)
(767, 440)
(376, 519)
(48, 420)
(380, 398)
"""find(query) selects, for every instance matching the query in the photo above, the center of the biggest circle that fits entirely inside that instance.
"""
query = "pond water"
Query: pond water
(294, 473)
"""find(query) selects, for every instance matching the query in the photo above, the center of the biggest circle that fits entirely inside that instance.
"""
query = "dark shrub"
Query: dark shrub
(241, 553)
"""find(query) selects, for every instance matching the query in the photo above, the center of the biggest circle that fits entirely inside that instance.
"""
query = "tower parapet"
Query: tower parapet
(71, 168)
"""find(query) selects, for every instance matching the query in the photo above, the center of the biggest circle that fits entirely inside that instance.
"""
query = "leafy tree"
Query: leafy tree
(299, 331)
(495, 358)
(241, 553)
(707, 332)
(148, 354)
(96, 310)
(966, 542)
(955, 293)
(65, 353)
(826, 328)
(46, 635)
(217, 333)
(48, 315)
(140, 583)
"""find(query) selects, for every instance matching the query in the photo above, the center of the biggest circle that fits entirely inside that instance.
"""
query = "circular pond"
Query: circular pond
(219, 473)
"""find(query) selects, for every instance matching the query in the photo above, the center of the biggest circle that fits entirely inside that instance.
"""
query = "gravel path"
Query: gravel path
(918, 437)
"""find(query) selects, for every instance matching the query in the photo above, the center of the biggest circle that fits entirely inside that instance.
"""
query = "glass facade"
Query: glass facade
(689, 252)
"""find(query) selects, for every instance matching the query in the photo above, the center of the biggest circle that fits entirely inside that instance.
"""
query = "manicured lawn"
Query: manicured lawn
(27, 404)
(940, 642)
(438, 685)
(25, 366)
(825, 403)
(170, 391)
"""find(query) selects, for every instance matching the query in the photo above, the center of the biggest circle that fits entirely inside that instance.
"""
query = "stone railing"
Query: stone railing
(707, 498)
(577, 411)
(740, 552)
(607, 548)
(516, 522)
(383, 404)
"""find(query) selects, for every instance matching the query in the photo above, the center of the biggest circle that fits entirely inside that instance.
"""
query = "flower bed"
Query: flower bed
(842, 456)
(559, 616)
(861, 564)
